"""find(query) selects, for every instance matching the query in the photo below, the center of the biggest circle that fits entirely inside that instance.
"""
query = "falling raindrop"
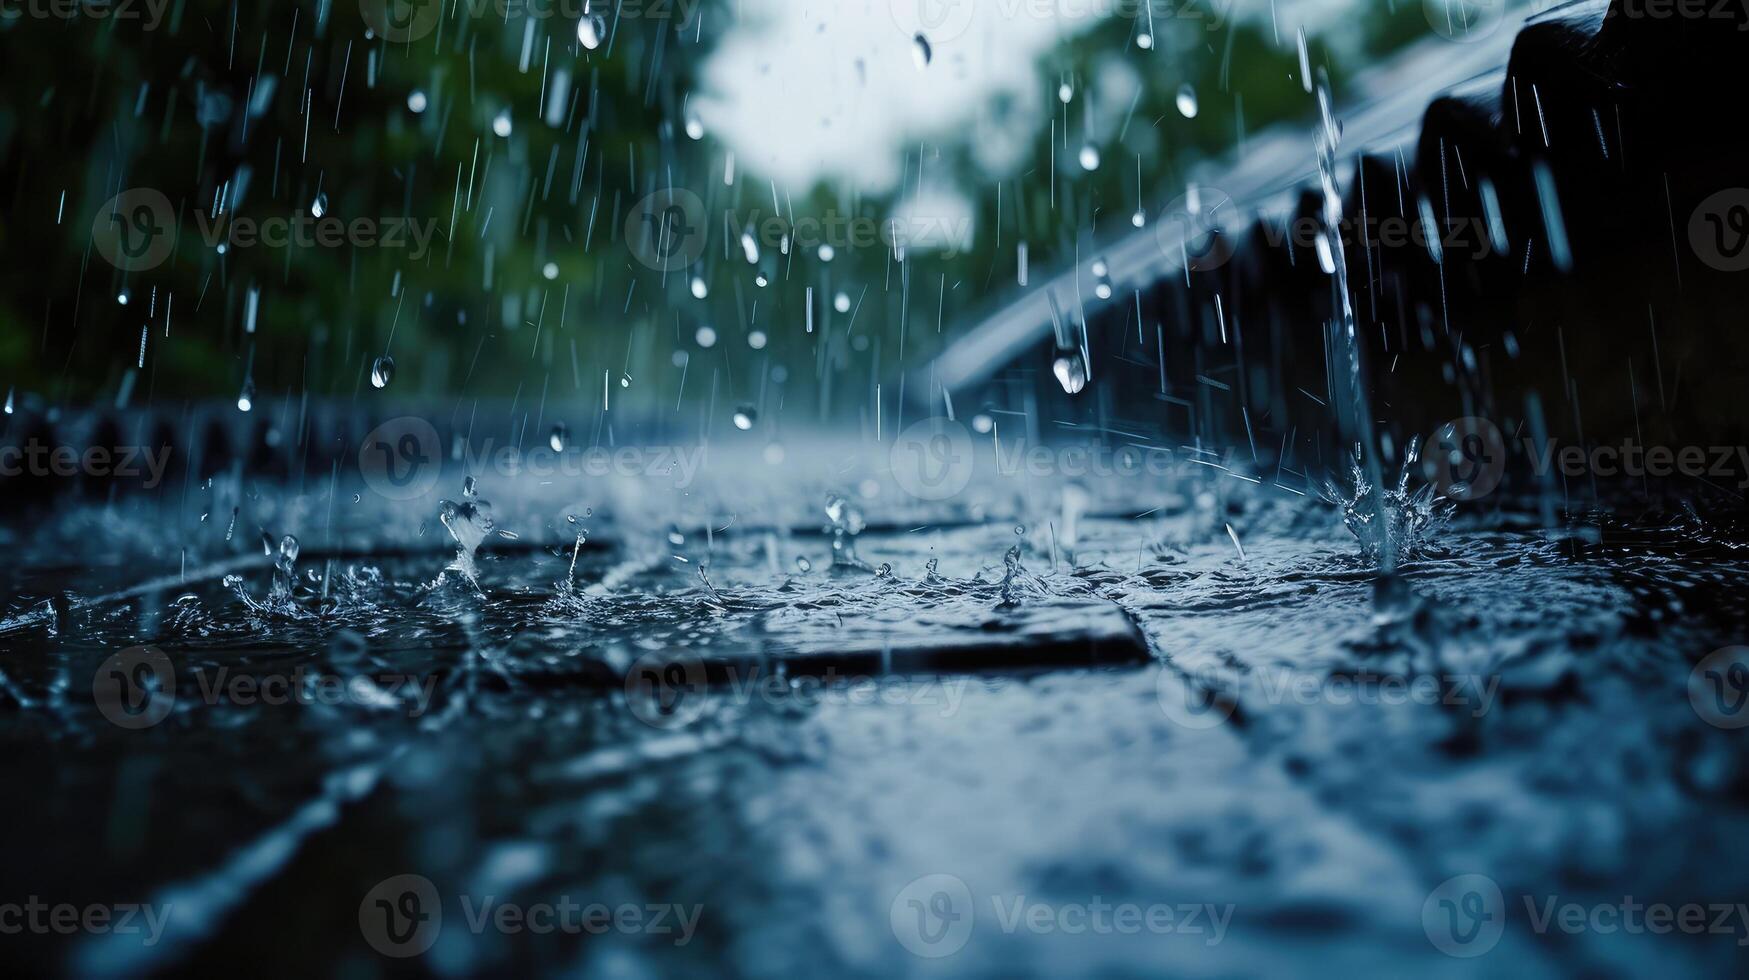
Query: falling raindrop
(760, 280)
(1187, 101)
(841, 302)
(246, 398)
(625, 380)
(1140, 218)
(382, 371)
(694, 127)
(803, 565)
(1145, 41)
(319, 206)
(550, 270)
(1071, 372)
(922, 51)
(558, 437)
(122, 297)
(416, 101)
(699, 289)
(470, 487)
(1065, 92)
(982, 424)
(756, 340)
(749, 247)
(10, 393)
(827, 252)
(745, 416)
(1089, 156)
(501, 123)
(590, 30)
(706, 336)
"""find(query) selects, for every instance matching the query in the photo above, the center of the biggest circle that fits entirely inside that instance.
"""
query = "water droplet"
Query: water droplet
(416, 101)
(319, 206)
(982, 424)
(122, 297)
(675, 537)
(694, 127)
(1187, 101)
(841, 302)
(922, 51)
(827, 253)
(756, 340)
(749, 247)
(699, 289)
(550, 270)
(1089, 156)
(706, 337)
(1070, 372)
(760, 280)
(501, 123)
(246, 397)
(382, 371)
(470, 488)
(625, 380)
(1145, 41)
(557, 438)
(1065, 93)
(1139, 219)
(590, 31)
(745, 416)
(803, 565)
(10, 393)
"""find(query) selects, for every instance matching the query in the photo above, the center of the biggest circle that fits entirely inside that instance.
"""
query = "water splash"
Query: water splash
(1397, 525)
(846, 524)
(468, 522)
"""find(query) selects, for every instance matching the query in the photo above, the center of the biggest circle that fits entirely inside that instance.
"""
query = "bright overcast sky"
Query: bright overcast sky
(804, 90)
